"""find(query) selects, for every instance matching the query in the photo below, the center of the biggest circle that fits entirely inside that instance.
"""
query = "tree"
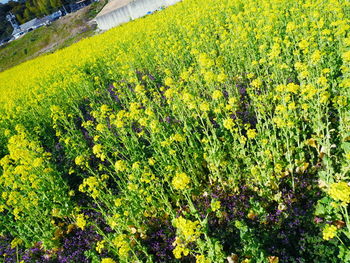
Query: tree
(5, 26)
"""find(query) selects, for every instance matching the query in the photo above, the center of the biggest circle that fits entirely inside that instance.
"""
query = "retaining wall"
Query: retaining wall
(131, 11)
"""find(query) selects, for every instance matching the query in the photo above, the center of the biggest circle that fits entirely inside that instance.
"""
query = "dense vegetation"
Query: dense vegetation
(212, 131)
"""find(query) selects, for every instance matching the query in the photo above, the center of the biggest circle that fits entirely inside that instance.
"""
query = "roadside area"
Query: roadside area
(61, 33)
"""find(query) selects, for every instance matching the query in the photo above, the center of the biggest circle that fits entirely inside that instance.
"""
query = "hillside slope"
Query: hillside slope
(61, 33)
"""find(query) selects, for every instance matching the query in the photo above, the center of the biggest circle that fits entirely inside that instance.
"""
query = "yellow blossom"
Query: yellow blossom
(215, 205)
(329, 232)
(204, 106)
(16, 242)
(228, 124)
(122, 245)
(79, 160)
(100, 245)
(222, 77)
(139, 89)
(38, 162)
(346, 56)
(135, 165)
(80, 221)
(256, 83)
(107, 260)
(180, 249)
(303, 44)
(178, 138)
(251, 133)
(187, 230)
(315, 57)
(100, 127)
(97, 150)
(217, 94)
(120, 166)
(151, 161)
(322, 81)
(118, 202)
(104, 108)
(202, 259)
(181, 181)
(291, 27)
(340, 192)
(168, 82)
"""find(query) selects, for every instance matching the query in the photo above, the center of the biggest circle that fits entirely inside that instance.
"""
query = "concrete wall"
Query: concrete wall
(114, 18)
(133, 10)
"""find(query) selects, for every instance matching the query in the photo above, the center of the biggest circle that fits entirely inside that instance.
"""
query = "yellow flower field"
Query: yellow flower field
(211, 131)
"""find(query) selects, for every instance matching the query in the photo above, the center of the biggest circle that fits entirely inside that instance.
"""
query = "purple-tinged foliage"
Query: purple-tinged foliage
(38, 255)
(8, 254)
(160, 239)
(76, 243)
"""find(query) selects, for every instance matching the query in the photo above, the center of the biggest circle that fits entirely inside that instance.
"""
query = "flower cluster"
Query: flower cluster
(181, 181)
(340, 192)
(329, 232)
(187, 232)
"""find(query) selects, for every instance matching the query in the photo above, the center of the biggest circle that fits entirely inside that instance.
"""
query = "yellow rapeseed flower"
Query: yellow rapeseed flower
(80, 221)
(228, 124)
(217, 94)
(181, 181)
(202, 259)
(204, 106)
(251, 133)
(329, 232)
(100, 245)
(151, 161)
(178, 138)
(340, 192)
(107, 260)
(79, 160)
(315, 57)
(346, 56)
(187, 229)
(215, 205)
(16, 242)
(122, 245)
(120, 166)
(118, 202)
(180, 249)
(100, 127)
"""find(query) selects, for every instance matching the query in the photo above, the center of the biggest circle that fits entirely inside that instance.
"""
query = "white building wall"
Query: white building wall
(133, 10)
